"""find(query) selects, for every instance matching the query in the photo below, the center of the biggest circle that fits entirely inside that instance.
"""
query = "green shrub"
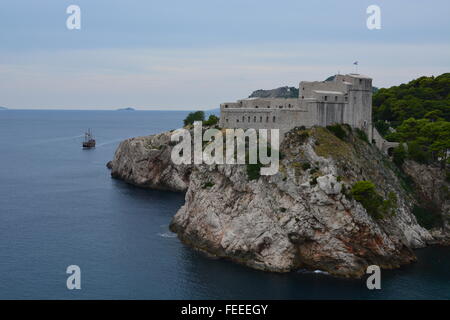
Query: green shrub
(399, 155)
(253, 171)
(426, 217)
(416, 153)
(306, 166)
(382, 127)
(364, 192)
(338, 131)
(212, 120)
(389, 205)
(194, 116)
(361, 135)
(207, 185)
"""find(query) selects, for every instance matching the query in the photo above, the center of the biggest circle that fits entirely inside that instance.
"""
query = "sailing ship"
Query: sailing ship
(89, 141)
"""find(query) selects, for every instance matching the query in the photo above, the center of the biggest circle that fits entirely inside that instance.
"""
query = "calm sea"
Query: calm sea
(59, 207)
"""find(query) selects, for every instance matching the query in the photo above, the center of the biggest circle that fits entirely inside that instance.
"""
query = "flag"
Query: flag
(355, 63)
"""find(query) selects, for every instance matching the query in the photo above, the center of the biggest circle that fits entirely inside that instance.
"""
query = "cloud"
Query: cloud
(201, 77)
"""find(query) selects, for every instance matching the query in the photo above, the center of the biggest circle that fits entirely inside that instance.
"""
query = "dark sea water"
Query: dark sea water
(59, 206)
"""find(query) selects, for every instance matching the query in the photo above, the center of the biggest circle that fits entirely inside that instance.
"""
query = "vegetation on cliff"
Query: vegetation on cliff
(365, 193)
(419, 111)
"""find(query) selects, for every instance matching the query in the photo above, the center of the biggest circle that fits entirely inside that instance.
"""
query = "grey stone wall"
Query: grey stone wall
(345, 99)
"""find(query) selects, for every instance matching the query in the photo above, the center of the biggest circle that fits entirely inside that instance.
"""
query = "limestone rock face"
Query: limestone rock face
(432, 188)
(301, 217)
(146, 162)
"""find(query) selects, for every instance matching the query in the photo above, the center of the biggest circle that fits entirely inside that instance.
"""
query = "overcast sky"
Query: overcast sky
(195, 54)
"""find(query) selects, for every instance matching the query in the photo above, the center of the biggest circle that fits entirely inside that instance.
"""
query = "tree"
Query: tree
(194, 116)
(364, 192)
(399, 155)
(212, 120)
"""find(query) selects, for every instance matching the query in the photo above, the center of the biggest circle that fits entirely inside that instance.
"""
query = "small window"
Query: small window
(267, 119)
(256, 107)
(360, 81)
(274, 119)
(303, 97)
(243, 119)
(281, 107)
(226, 106)
(254, 119)
(227, 120)
(325, 98)
(260, 119)
(268, 107)
(237, 120)
(248, 118)
(335, 98)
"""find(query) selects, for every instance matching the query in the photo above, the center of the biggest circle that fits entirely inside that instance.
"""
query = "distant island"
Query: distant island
(126, 109)
(3, 108)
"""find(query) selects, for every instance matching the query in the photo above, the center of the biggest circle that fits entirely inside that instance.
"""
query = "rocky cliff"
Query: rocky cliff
(302, 217)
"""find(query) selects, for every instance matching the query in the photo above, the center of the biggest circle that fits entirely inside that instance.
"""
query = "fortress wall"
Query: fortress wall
(307, 88)
(330, 113)
(347, 99)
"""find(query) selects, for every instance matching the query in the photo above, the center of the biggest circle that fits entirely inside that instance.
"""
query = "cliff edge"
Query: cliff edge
(302, 217)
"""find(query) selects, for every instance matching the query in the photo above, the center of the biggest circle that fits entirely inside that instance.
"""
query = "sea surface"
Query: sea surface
(60, 207)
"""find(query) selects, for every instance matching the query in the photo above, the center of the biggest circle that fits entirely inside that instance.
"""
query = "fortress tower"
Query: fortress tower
(343, 99)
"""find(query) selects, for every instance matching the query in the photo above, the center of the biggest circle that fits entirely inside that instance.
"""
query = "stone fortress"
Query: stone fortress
(343, 99)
